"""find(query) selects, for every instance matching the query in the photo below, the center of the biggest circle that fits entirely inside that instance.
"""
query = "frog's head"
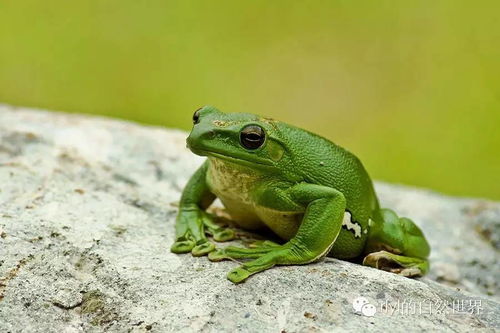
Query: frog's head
(241, 138)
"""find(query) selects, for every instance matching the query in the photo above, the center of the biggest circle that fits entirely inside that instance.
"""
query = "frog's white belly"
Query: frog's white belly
(233, 185)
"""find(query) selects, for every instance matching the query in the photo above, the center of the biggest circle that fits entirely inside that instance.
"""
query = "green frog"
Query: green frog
(314, 195)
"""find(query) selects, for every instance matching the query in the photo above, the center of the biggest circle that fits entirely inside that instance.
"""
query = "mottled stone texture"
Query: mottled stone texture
(87, 209)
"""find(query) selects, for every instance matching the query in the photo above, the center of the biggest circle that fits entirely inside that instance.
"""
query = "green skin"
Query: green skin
(316, 196)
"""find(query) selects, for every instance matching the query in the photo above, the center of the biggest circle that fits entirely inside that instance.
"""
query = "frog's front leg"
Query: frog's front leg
(323, 212)
(192, 220)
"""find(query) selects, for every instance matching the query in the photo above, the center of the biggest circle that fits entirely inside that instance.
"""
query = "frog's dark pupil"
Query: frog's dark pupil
(252, 137)
(196, 117)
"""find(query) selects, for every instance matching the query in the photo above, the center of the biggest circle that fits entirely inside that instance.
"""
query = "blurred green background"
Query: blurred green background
(412, 87)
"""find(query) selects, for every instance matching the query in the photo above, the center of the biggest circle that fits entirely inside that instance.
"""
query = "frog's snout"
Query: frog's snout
(198, 137)
(189, 142)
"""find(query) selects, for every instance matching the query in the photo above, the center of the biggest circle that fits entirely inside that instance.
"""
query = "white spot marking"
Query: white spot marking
(352, 226)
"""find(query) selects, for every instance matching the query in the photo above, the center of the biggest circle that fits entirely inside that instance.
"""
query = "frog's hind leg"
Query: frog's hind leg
(397, 245)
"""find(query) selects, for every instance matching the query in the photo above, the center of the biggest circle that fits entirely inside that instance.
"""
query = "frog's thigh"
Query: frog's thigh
(319, 228)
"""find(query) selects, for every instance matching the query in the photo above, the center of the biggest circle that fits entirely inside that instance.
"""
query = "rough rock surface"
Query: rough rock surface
(87, 209)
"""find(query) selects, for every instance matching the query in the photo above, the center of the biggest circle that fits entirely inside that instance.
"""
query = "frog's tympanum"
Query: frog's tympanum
(312, 194)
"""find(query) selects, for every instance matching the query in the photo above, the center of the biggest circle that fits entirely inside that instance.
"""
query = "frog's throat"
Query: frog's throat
(260, 162)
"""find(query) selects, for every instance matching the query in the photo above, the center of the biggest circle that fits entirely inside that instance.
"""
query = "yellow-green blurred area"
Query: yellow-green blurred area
(411, 87)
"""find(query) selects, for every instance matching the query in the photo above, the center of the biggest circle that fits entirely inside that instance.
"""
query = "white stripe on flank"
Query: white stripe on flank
(355, 227)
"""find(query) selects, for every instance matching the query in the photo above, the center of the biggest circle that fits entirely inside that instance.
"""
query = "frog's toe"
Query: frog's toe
(224, 235)
(182, 246)
(218, 255)
(410, 272)
(263, 244)
(202, 249)
(218, 232)
(238, 275)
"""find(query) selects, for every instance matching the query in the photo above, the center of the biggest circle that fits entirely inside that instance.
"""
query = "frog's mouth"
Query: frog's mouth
(237, 160)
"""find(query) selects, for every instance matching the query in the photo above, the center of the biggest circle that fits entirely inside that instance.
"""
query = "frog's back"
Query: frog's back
(320, 161)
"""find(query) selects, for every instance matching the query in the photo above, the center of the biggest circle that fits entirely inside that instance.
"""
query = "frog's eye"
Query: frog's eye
(196, 116)
(252, 137)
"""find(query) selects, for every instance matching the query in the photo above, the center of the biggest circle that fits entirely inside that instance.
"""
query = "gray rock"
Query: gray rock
(87, 209)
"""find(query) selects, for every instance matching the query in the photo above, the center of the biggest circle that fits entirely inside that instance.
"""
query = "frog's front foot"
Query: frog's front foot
(402, 265)
(183, 245)
(192, 227)
(222, 234)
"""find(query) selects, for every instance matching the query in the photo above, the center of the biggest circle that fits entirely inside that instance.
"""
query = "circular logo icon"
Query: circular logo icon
(358, 303)
(368, 310)
(363, 306)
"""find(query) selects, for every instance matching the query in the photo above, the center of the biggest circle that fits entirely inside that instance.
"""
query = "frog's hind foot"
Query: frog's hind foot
(233, 252)
(263, 244)
(256, 249)
(402, 265)
(264, 257)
